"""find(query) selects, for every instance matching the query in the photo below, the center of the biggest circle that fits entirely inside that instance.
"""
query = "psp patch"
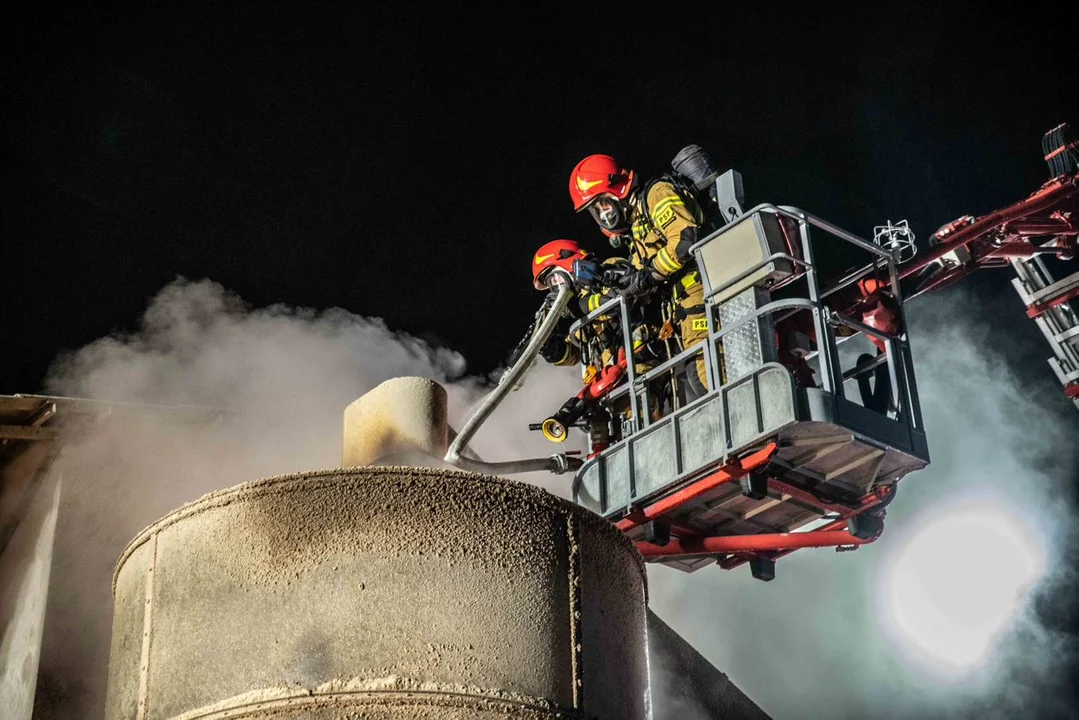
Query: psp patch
(700, 323)
(665, 216)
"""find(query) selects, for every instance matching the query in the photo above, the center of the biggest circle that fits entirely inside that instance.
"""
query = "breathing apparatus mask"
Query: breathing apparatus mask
(608, 213)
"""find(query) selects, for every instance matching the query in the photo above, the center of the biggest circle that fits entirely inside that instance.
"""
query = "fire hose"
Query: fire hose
(556, 464)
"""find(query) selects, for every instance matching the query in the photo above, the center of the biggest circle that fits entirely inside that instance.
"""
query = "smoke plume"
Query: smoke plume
(819, 641)
(209, 392)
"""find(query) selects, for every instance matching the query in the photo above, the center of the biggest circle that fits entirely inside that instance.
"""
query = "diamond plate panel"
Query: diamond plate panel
(742, 348)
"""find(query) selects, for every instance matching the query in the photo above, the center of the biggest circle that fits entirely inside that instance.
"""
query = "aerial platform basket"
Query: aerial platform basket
(766, 461)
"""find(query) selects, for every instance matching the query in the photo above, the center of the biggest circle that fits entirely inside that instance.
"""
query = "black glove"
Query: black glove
(614, 273)
(554, 349)
(639, 283)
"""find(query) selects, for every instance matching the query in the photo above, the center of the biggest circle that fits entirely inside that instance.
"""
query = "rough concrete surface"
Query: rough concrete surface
(401, 415)
(25, 564)
(379, 592)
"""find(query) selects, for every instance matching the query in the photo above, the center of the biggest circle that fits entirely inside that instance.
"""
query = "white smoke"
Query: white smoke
(221, 393)
(279, 378)
(209, 392)
(819, 641)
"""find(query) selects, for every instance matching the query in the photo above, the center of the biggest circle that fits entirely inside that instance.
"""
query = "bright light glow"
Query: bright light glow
(959, 582)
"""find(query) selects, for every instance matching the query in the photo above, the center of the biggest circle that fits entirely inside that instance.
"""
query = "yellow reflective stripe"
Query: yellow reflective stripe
(663, 264)
(566, 357)
(669, 202)
(593, 301)
(690, 279)
(666, 263)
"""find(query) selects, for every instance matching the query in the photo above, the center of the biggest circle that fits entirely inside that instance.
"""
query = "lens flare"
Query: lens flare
(958, 582)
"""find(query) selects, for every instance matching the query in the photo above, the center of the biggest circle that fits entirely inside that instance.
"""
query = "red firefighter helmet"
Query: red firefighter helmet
(555, 254)
(596, 175)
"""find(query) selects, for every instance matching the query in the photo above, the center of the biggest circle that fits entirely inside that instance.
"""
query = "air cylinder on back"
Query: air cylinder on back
(696, 165)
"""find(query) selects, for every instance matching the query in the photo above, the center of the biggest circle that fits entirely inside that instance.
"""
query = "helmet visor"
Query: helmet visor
(543, 277)
(608, 213)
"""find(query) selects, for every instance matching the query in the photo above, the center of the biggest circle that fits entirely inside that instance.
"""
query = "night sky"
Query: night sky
(404, 163)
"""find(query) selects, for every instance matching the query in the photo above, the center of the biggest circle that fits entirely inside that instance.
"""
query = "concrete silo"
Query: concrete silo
(394, 586)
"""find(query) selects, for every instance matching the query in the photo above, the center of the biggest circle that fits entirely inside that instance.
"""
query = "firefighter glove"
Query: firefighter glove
(554, 350)
(638, 283)
(615, 275)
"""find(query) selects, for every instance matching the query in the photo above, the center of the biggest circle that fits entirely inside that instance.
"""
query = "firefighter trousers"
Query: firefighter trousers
(693, 328)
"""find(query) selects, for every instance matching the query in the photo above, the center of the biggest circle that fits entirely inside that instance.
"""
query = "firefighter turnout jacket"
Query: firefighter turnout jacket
(663, 228)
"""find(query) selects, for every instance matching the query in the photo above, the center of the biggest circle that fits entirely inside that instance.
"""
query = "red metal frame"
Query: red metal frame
(767, 542)
(1036, 309)
(1050, 215)
(740, 559)
(1053, 210)
(731, 471)
(689, 543)
(845, 513)
(993, 238)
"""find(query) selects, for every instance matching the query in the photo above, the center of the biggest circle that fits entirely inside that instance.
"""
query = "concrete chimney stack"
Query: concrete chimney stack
(400, 422)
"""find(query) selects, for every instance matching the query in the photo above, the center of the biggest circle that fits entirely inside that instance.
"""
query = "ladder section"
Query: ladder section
(1048, 303)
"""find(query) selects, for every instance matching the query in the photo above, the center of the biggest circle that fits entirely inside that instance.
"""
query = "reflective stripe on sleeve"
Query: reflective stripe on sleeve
(666, 263)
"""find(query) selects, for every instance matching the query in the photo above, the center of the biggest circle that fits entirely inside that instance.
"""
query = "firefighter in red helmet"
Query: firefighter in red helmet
(556, 255)
(587, 275)
(659, 225)
(599, 346)
(601, 186)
